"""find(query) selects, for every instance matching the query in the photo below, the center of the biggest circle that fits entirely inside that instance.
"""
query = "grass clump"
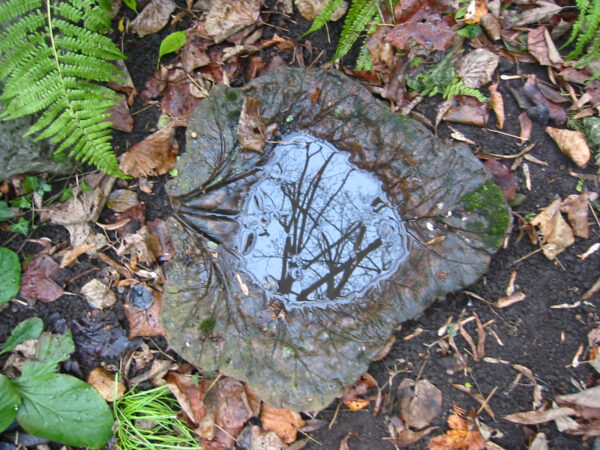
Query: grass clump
(148, 420)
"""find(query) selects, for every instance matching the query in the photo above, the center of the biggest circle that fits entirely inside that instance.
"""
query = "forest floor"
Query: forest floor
(488, 359)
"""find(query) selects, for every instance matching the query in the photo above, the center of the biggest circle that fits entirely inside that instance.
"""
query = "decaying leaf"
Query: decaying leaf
(227, 17)
(427, 29)
(138, 244)
(402, 436)
(119, 115)
(420, 402)
(511, 299)
(72, 255)
(152, 18)
(540, 416)
(463, 434)
(188, 394)
(576, 207)
(556, 235)
(282, 421)
(497, 103)
(572, 143)
(103, 381)
(310, 9)
(477, 67)
(122, 199)
(475, 11)
(351, 395)
(526, 126)
(251, 129)
(154, 156)
(468, 110)
(549, 108)
(98, 294)
(540, 14)
(540, 45)
(37, 280)
(504, 177)
(145, 322)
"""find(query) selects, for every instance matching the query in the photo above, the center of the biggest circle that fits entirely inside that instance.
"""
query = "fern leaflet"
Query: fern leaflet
(590, 22)
(358, 17)
(323, 16)
(52, 57)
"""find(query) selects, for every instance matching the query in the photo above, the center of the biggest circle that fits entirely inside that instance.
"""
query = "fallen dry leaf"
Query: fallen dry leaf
(282, 421)
(541, 14)
(351, 395)
(103, 381)
(420, 402)
(154, 156)
(572, 143)
(251, 129)
(72, 255)
(98, 294)
(227, 17)
(540, 45)
(402, 436)
(37, 281)
(556, 235)
(121, 200)
(468, 110)
(516, 297)
(540, 416)
(426, 28)
(497, 103)
(188, 394)
(475, 11)
(477, 67)
(310, 9)
(145, 322)
(463, 434)
(138, 244)
(119, 115)
(152, 18)
(526, 127)
(592, 291)
(491, 25)
(576, 207)
(503, 177)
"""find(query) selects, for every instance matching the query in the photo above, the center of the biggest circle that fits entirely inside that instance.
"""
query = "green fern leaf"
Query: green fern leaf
(592, 20)
(582, 6)
(52, 58)
(323, 16)
(359, 16)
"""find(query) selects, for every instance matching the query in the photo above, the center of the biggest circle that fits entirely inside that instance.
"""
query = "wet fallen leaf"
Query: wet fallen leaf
(351, 395)
(576, 207)
(122, 199)
(37, 279)
(556, 235)
(572, 143)
(154, 156)
(497, 103)
(120, 116)
(428, 29)
(145, 321)
(282, 421)
(159, 241)
(103, 381)
(420, 402)
(227, 17)
(138, 244)
(98, 294)
(540, 45)
(503, 176)
(189, 394)
(477, 67)
(463, 434)
(251, 129)
(310, 9)
(468, 110)
(152, 18)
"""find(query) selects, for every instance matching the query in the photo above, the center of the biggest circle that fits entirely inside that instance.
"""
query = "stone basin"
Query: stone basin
(293, 265)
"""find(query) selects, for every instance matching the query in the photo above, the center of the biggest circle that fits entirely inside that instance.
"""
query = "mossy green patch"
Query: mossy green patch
(208, 325)
(489, 205)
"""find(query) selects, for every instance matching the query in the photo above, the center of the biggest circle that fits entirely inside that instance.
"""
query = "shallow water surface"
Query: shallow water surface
(316, 228)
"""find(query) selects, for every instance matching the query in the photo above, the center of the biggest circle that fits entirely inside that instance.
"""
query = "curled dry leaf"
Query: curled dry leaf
(152, 18)
(541, 14)
(497, 105)
(138, 244)
(576, 207)
(526, 127)
(477, 67)
(516, 297)
(463, 434)
(420, 402)
(310, 9)
(556, 235)
(572, 143)
(154, 156)
(98, 294)
(536, 417)
(227, 17)
(103, 381)
(72, 255)
(593, 290)
(37, 280)
(402, 436)
(282, 421)
(491, 25)
(251, 129)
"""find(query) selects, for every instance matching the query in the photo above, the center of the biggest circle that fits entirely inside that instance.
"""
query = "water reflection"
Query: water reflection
(316, 228)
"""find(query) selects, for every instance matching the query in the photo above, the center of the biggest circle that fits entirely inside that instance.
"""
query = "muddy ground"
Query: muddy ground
(530, 333)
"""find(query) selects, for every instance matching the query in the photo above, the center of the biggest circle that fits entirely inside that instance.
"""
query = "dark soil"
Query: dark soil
(530, 333)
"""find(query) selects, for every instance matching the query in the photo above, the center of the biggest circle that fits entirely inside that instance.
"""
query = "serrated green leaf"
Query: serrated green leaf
(28, 329)
(10, 274)
(52, 349)
(64, 409)
(11, 400)
(171, 43)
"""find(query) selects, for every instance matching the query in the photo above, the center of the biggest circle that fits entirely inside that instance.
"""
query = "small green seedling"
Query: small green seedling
(10, 274)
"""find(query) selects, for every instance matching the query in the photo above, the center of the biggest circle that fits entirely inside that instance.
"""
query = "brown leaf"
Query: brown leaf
(463, 434)
(516, 297)
(556, 235)
(586, 402)
(145, 322)
(152, 18)
(188, 394)
(103, 381)
(526, 126)
(477, 67)
(120, 117)
(251, 129)
(540, 45)
(576, 207)
(98, 294)
(492, 27)
(37, 281)
(572, 143)
(420, 402)
(467, 110)
(592, 291)
(540, 14)
(475, 11)
(193, 53)
(159, 241)
(72, 255)
(497, 105)
(503, 176)
(351, 395)
(282, 421)
(536, 417)
(344, 442)
(154, 156)
(227, 17)
(428, 29)
(403, 436)
(122, 199)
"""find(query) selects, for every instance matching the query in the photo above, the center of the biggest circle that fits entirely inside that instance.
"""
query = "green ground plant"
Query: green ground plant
(53, 59)
(10, 274)
(586, 33)
(157, 409)
(48, 404)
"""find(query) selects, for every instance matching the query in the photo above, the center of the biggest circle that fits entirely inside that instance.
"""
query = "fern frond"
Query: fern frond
(582, 6)
(590, 26)
(323, 16)
(363, 62)
(51, 61)
(358, 17)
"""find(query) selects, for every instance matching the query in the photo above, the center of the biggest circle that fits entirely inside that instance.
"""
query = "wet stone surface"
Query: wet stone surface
(292, 267)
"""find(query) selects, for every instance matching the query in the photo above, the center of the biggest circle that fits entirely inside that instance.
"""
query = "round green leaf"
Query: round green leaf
(28, 329)
(64, 409)
(10, 402)
(10, 274)
(172, 43)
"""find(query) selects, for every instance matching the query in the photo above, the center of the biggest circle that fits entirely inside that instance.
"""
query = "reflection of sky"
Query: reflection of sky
(316, 227)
